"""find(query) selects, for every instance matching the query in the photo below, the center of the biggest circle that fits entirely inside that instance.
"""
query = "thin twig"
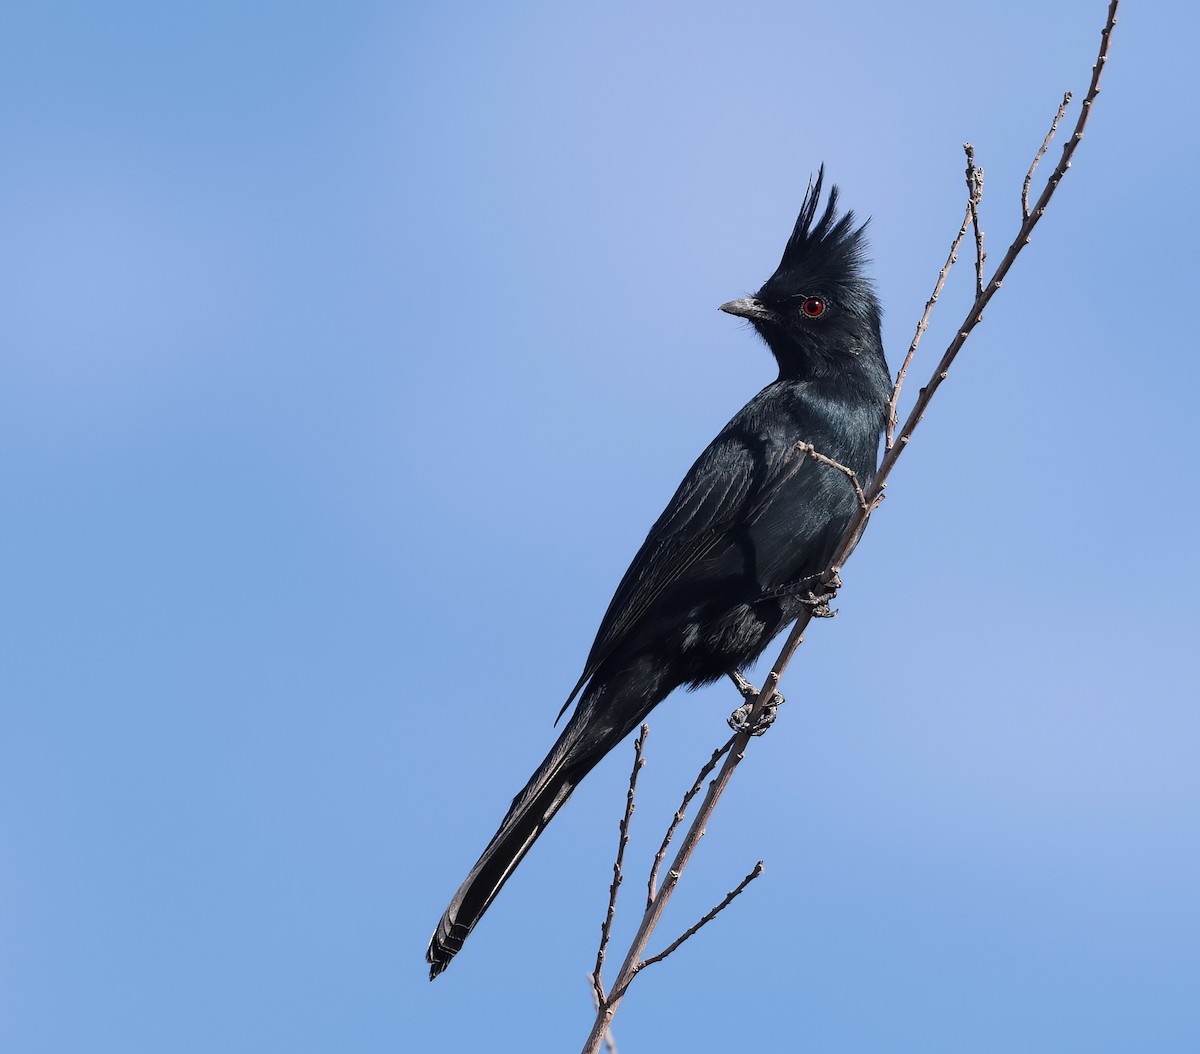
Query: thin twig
(680, 813)
(1062, 109)
(692, 930)
(974, 197)
(817, 456)
(922, 326)
(606, 926)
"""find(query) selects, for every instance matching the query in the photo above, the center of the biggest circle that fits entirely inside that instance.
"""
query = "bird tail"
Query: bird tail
(587, 737)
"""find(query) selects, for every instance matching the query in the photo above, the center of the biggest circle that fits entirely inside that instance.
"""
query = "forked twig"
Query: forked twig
(1062, 109)
(692, 930)
(610, 1044)
(1022, 239)
(691, 839)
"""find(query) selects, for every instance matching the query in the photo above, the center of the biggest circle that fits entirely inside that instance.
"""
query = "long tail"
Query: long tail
(590, 734)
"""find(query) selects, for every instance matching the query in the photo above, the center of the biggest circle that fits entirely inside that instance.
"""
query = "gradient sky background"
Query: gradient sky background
(348, 353)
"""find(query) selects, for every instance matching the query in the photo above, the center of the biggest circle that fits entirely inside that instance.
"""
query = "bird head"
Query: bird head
(818, 312)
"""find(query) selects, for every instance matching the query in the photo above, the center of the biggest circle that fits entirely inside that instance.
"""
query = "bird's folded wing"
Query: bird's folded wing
(727, 486)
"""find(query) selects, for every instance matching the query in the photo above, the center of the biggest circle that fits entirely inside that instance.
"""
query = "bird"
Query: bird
(734, 557)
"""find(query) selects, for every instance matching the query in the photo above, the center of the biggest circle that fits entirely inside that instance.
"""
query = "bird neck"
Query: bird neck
(858, 374)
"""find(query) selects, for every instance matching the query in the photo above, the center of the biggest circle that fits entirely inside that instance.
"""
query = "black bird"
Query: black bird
(735, 555)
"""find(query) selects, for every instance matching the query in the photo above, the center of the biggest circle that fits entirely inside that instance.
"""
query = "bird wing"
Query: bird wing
(726, 487)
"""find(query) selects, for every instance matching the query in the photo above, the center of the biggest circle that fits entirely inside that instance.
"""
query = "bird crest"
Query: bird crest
(831, 244)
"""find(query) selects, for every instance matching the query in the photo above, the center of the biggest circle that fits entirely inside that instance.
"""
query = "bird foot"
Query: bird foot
(739, 720)
(814, 592)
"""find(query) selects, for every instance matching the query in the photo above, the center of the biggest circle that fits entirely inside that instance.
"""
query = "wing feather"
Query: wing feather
(718, 492)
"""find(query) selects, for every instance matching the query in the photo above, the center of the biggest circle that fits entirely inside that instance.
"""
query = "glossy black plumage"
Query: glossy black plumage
(724, 568)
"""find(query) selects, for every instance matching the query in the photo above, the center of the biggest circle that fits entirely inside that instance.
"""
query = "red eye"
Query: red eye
(813, 306)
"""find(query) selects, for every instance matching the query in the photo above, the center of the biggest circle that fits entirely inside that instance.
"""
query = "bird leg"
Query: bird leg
(739, 719)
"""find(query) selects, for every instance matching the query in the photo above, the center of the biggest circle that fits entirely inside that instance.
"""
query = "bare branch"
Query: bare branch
(851, 536)
(680, 813)
(692, 839)
(1062, 108)
(606, 926)
(729, 898)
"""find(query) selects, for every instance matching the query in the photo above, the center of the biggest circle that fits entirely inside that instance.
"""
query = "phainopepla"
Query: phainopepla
(734, 557)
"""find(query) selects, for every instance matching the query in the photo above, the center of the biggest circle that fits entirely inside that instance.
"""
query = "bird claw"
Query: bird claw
(739, 720)
(818, 603)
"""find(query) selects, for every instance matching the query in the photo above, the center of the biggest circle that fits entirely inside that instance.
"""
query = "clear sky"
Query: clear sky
(347, 351)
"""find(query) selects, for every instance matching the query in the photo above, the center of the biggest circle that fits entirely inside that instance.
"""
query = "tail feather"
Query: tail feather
(528, 817)
(587, 737)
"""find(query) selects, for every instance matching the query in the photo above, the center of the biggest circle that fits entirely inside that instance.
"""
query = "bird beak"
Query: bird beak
(747, 307)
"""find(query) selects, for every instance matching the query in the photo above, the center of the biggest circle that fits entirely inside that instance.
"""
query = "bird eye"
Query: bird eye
(813, 306)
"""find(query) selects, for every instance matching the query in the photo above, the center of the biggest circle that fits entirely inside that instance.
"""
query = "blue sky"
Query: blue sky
(348, 353)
